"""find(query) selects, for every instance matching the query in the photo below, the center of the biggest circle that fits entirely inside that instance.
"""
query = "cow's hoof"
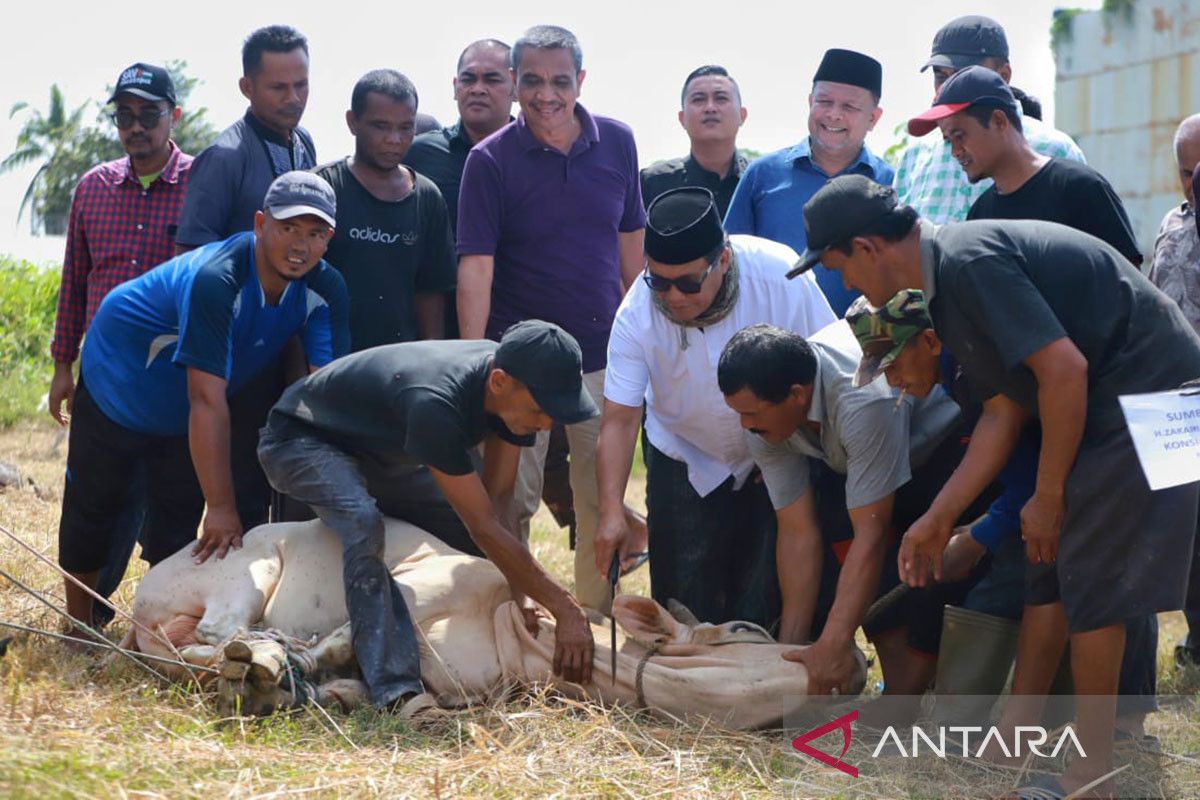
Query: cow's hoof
(234, 670)
(421, 706)
(238, 650)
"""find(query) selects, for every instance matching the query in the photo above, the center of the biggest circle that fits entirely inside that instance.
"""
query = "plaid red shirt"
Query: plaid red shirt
(117, 231)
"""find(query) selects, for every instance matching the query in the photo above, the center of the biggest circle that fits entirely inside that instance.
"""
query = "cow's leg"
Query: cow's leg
(330, 482)
(343, 692)
(230, 612)
(334, 652)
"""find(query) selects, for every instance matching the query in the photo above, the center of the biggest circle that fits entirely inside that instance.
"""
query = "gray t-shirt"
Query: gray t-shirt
(863, 434)
(408, 403)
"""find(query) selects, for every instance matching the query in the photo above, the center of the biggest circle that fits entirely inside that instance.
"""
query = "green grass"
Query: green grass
(28, 295)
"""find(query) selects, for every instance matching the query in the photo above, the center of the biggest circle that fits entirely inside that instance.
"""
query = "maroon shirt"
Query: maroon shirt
(117, 231)
(551, 221)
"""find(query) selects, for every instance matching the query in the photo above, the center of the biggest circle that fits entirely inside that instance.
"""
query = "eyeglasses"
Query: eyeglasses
(688, 284)
(148, 118)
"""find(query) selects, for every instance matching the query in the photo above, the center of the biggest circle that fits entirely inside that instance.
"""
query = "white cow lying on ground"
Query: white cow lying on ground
(474, 645)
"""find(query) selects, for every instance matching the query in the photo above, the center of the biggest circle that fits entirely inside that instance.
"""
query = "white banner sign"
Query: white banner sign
(1165, 427)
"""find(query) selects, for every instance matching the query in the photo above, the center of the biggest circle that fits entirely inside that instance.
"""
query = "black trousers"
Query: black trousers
(715, 554)
(101, 461)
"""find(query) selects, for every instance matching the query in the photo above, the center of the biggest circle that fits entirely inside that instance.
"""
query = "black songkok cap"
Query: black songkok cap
(682, 225)
(856, 69)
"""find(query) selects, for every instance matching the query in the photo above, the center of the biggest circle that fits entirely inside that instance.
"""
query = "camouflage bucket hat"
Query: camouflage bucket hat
(883, 332)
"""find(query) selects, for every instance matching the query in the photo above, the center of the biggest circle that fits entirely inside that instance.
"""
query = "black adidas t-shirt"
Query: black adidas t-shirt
(416, 402)
(1071, 194)
(388, 251)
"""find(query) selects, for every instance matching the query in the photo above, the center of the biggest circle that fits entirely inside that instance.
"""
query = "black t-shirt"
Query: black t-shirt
(1001, 291)
(666, 175)
(1071, 194)
(441, 156)
(388, 251)
(416, 402)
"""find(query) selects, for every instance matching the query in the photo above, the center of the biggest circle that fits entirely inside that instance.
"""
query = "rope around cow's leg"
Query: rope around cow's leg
(641, 669)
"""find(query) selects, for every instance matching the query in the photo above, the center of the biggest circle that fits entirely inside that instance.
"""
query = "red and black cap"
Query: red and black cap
(973, 86)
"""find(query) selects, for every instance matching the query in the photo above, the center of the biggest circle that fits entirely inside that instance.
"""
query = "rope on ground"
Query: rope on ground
(66, 638)
(100, 640)
(119, 612)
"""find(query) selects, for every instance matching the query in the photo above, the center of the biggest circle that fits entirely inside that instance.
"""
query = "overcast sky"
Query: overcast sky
(635, 53)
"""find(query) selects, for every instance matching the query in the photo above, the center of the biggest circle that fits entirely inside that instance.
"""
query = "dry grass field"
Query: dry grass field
(87, 726)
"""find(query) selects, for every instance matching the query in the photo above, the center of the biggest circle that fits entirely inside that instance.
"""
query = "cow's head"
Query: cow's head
(648, 623)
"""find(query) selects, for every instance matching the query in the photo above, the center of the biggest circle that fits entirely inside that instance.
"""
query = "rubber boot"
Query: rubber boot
(974, 665)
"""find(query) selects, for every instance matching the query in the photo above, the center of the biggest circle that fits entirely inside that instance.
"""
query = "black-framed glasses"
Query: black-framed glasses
(688, 284)
(148, 117)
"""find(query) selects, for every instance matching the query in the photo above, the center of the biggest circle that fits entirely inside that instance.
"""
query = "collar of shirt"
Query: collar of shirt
(802, 151)
(457, 138)
(265, 133)
(928, 258)
(816, 409)
(692, 166)
(124, 170)
(589, 133)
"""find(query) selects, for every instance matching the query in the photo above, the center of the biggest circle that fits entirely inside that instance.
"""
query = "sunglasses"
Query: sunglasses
(688, 284)
(148, 118)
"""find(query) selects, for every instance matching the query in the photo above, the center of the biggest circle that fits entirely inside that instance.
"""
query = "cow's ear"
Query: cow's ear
(647, 622)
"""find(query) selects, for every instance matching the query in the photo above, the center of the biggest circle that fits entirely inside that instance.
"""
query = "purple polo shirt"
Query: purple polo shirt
(551, 222)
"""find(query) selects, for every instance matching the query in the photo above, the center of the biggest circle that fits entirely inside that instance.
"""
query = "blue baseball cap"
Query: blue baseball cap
(973, 86)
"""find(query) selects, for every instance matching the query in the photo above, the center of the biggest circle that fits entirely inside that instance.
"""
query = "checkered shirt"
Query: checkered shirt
(117, 231)
(932, 182)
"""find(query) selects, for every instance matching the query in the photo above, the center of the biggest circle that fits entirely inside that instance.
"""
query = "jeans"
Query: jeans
(715, 554)
(331, 482)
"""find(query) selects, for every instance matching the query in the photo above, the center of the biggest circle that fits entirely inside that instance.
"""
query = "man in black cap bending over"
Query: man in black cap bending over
(1052, 323)
(395, 430)
(711, 525)
(842, 109)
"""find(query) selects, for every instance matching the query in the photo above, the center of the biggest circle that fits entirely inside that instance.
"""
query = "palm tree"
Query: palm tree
(44, 137)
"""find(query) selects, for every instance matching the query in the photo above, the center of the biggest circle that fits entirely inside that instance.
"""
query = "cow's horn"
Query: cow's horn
(681, 613)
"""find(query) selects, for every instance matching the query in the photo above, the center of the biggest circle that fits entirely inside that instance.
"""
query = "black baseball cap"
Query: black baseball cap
(967, 40)
(841, 210)
(682, 224)
(973, 86)
(147, 82)
(548, 361)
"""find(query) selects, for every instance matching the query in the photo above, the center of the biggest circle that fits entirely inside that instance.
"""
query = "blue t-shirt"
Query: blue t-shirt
(1018, 477)
(769, 202)
(204, 309)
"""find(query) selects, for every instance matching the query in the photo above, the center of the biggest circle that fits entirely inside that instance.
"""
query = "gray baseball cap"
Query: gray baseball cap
(841, 210)
(295, 193)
